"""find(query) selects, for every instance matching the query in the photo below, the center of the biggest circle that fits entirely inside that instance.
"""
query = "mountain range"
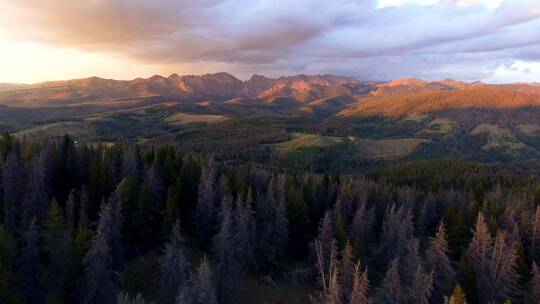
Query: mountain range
(394, 98)
(403, 118)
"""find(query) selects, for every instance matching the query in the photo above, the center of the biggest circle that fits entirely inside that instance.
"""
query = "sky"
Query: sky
(488, 40)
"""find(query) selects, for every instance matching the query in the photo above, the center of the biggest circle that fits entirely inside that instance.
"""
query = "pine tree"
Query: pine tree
(272, 231)
(535, 236)
(127, 192)
(326, 240)
(244, 235)
(361, 229)
(204, 215)
(422, 287)
(173, 267)
(390, 291)
(535, 282)
(98, 279)
(7, 257)
(171, 213)
(202, 290)
(37, 199)
(360, 290)
(31, 268)
(124, 298)
(333, 296)
(12, 179)
(115, 238)
(408, 262)
(71, 206)
(439, 264)
(154, 180)
(57, 240)
(458, 297)
(503, 275)
(479, 254)
(397, 232)
(347, 273)
(147, 219)
(223, 247)
(84, 220)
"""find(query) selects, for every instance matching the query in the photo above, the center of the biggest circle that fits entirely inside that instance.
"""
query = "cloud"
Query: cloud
(370, 39)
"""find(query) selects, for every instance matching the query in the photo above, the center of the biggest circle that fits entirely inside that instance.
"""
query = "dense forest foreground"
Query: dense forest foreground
(127, 223)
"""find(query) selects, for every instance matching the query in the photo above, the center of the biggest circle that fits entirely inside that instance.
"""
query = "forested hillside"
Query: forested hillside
(128, 223)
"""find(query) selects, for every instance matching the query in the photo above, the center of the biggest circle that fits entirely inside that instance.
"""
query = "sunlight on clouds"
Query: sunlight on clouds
(519, 71)
(391, 3)
(466, 3)
(461, 3)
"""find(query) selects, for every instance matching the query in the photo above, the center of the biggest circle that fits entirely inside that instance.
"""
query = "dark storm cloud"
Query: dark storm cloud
(455, 38)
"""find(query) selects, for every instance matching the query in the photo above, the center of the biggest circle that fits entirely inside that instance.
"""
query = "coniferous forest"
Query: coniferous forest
(126, 223)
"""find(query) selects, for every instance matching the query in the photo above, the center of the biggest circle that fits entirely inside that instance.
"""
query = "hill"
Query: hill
(494, 97)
